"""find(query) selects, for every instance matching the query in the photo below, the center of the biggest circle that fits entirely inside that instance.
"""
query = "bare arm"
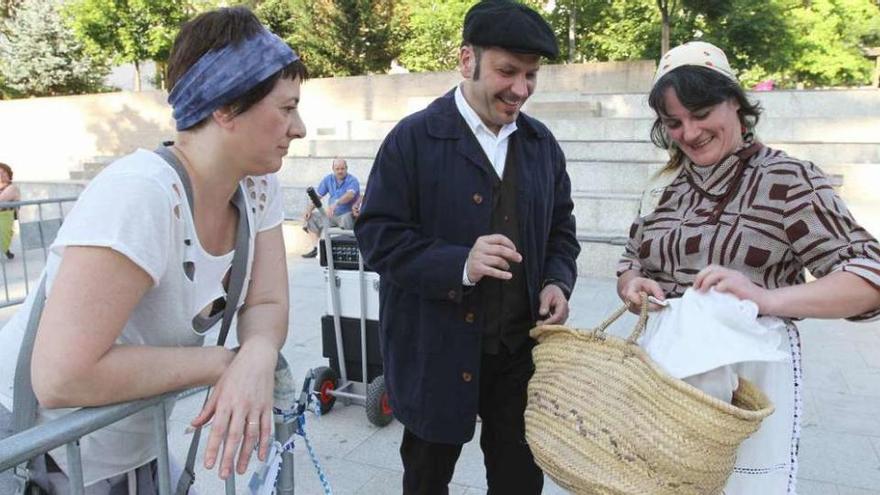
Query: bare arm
(346, 198)
(76, 359)
(264, 315)
(836, 295)
(11, 193)
(241, 403)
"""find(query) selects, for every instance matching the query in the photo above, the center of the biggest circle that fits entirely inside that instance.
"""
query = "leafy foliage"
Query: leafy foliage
(346, 37)
(794, 42)
(830, 53)
(127, 31)
(40, 56)
(434, 34)
(814, 43)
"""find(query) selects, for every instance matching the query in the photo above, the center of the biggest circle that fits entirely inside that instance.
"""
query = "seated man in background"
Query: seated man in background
(345, 191)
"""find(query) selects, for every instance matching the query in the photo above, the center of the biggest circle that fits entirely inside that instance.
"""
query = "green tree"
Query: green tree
(346, 37)
(7, 8)
(278, 15)
(829, 53)
(434, 34)
(40, 56)
(791, 41)
(127, 31)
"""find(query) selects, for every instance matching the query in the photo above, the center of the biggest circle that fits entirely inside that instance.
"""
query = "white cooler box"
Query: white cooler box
(348, 282)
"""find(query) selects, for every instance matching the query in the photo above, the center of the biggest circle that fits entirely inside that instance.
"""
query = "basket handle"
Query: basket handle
(640, 325)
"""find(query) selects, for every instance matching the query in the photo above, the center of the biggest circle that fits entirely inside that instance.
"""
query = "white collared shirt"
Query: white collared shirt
(494, 146)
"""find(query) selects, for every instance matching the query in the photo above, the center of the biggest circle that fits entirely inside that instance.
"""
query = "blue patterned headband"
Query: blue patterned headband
(220, 76)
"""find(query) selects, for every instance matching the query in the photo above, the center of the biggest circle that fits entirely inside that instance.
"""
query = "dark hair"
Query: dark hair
(7, 168)
(213, 30)
(697, 88)
(478, 54)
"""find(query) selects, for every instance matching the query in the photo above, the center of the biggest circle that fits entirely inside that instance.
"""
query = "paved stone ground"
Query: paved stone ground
(840, 449)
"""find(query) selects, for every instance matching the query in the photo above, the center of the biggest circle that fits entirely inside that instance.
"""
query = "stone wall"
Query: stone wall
(43, 139)
(48, 138)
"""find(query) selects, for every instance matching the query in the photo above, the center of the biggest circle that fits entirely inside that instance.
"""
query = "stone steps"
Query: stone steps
(858, 129)
(600, 249)
(586, 175)
(778, 104)
(605, 137)
(610, 213)
(824, 153)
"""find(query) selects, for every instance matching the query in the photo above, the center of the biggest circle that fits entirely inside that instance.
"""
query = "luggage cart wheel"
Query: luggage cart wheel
(326, 381)
(377, 406)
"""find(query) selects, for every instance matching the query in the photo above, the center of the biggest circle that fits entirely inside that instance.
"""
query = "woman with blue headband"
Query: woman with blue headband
(140, 270)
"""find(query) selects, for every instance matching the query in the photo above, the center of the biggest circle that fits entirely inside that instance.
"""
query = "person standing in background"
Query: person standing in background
(8, 192)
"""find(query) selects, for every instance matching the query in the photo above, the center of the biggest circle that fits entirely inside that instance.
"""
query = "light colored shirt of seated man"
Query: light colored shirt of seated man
(344, 192)
(343, 188)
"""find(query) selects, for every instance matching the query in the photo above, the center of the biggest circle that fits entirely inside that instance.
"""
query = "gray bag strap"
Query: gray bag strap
(236, 285)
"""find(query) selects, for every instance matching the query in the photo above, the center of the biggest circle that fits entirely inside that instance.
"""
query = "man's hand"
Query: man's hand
(554, 306)
(491, 257)
(331, 211)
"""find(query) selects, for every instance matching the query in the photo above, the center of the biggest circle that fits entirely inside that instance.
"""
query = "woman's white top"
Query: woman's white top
(137, 207)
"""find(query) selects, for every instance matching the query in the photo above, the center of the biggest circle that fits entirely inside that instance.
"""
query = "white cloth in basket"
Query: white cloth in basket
(700, 336)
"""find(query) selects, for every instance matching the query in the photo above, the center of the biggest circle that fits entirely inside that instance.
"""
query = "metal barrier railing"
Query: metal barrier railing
(37, 225)
(68, 429)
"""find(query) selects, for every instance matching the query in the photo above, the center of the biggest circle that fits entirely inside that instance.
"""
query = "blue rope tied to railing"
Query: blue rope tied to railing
(301, 430)
(264, 480)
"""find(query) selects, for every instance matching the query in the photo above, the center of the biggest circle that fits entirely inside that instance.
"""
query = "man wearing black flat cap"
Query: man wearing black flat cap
(468, 220)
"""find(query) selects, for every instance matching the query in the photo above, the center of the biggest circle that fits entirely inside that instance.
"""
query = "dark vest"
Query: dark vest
(506, 302)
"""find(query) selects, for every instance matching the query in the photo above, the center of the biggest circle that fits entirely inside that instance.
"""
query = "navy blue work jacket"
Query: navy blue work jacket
(429, 197)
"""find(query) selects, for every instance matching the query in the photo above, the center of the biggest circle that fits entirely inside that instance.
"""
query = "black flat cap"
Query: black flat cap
(509, 25)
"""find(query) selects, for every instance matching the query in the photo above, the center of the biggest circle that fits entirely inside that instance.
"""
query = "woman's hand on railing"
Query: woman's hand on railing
(241, 408)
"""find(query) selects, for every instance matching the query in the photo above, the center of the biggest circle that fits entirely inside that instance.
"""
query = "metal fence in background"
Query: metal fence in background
(37, 225)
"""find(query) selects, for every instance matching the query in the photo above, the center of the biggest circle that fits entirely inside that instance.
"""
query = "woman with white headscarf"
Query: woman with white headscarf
(748, 220)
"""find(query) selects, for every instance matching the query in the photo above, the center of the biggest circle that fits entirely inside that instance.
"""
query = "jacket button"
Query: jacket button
(478, 198)
(452, 295)
(506, 218)
(469, 317)
(467, 377)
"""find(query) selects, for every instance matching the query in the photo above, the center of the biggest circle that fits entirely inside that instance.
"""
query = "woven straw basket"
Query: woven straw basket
(603, 419)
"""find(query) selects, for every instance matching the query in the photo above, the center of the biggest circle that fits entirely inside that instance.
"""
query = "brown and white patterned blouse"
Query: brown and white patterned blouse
(783, 218)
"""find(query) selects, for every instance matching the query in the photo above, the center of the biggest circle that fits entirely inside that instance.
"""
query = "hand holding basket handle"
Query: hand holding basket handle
(640, 326)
